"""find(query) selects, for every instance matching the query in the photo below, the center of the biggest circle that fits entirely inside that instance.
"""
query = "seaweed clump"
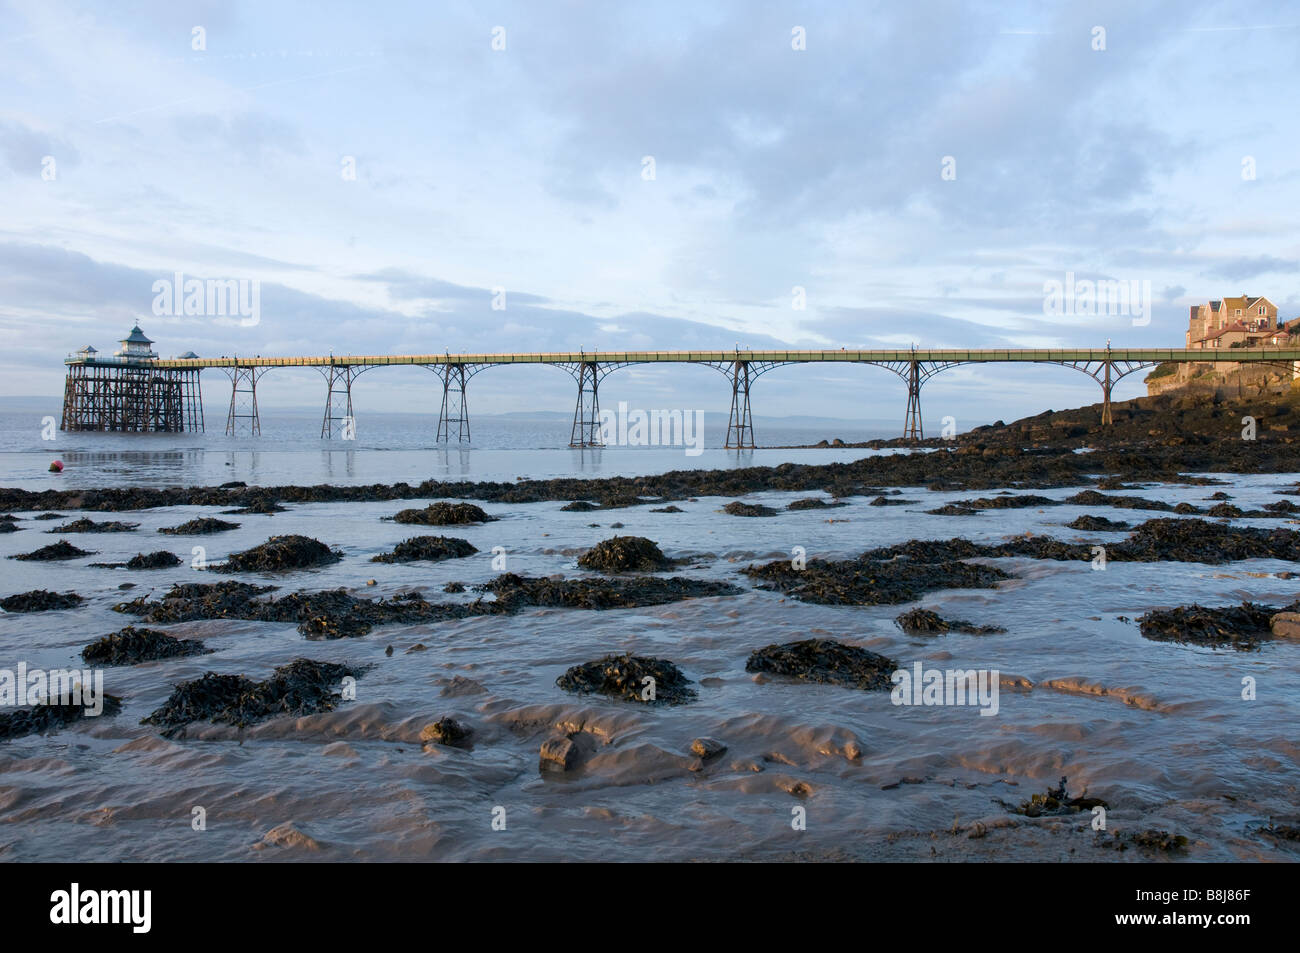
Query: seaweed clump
(1056, 801)
(825, 661)
(813, 503)
(630, 677)
(203, 526)
(445, 514)
(158, 560)
(42, 718)
(625, 554)
(1241, 627)
(85, 525)
(737, 508)
(131, 646)
(1097, 524)
(302, 687)
(280, 554)
(427, 548)
(924, 621)
(868, 581)
(41, 600)
(514, 593)
(55, 551)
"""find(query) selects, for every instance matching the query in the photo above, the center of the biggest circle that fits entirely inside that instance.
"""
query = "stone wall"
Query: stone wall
(1224, 380)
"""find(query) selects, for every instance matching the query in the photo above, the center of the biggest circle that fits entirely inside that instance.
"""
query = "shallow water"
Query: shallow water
(1158, 730)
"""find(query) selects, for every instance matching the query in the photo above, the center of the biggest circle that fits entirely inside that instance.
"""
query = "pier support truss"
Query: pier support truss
(1107, 373)
(131, 398)
(586, 413)
(741, 374)
(339, 419)
(243, 399)
(453, 417)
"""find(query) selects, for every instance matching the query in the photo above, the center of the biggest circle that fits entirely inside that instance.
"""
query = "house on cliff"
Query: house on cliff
(1243, 321)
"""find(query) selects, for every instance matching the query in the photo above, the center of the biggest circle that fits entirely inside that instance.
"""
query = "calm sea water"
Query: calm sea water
(388, 448)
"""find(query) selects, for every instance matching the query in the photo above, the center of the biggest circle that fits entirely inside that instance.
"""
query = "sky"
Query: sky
(616, 176)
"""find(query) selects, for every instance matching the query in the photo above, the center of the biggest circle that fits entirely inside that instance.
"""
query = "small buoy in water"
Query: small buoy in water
(56, 466)
(389, 651)
(371, 582)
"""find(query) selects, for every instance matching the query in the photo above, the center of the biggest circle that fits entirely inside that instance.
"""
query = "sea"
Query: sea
(1168, 735)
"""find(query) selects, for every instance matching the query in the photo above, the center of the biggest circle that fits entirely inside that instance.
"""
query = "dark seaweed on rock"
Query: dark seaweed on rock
(445, 514)
(624, 676)
(320, 615)
(825, 661)
(302, 687)
(737, 508)
(203, 526)
(84, 525)
(55, 551)
(625, 554)
(263, 506)
(888, 501)
(1093, 498)
(158, 560)
(813, 503)
(427, 548)
(952, 509)
(1010, 502)
(1056, 801)
(1094, 524)
(579, 506)
(514, 593)
(188, 601)
(1156, 540)
(338, 614)
(930, 622)
(49, 516)
(869, 582)
(668, 509)
(41, 600)
(7, 527)
(42, 718)
(131, 646)
(1151, 839)
(1200, 541)
(280, 554)
(1241, 627)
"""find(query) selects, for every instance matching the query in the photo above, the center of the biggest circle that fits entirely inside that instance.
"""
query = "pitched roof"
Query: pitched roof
(136, 337)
